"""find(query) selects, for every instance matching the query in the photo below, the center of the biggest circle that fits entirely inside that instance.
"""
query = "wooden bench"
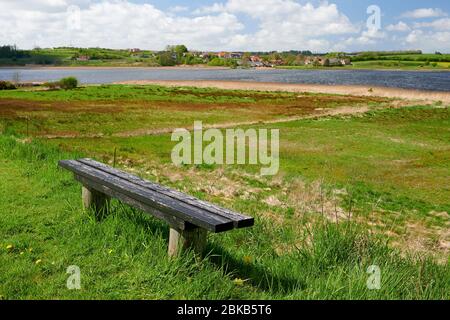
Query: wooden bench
(189, 218)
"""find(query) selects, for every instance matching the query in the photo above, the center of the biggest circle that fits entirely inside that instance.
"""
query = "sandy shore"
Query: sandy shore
(430, 96)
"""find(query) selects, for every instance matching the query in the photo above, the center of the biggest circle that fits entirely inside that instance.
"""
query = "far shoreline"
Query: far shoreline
(41, 67)
(206, 67)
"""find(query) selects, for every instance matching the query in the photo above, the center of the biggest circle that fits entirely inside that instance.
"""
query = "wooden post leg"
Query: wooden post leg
(92, 199)
(180, 241)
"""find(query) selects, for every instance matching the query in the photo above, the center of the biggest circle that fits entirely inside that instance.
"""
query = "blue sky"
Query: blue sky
(334, 25)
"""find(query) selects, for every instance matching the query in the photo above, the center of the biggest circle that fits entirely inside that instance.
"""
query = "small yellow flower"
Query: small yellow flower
(238, 282)
(110, 251)
(9, 246)
(38, 261)
(248, 259)
(30, 250)
(22, 253)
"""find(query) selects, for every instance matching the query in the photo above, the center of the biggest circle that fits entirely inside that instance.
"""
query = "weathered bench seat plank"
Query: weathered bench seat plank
(172, 220)
(180, 210)
(239, 220)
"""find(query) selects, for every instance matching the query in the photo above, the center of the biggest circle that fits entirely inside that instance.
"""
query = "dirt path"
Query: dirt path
(427, 96)
(148, 132)
(334, 112)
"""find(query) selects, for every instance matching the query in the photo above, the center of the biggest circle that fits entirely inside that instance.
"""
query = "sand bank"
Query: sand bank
(430, 96)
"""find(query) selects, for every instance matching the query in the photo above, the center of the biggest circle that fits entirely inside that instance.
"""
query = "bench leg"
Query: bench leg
(180, 241)
(97, 201)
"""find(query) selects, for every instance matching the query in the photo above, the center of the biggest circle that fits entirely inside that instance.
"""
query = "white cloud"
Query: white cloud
(271, 25)
(115, 24)
(424, 13)
(414, 36)
(439, 24)
(286, 24)
(40, 5)
(280, 25)
(214, 8)
(399, 27)
(326, 18)
(177, 9)
(369, 38)
(429, 41)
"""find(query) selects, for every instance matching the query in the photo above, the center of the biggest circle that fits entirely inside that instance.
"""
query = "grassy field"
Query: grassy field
(401, 64)
(354, 190)
(68, 57)
(402, 61)
(115, 109)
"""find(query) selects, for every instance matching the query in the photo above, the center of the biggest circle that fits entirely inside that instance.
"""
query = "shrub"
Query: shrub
(68, 83)
(65, 83)
(5, 85)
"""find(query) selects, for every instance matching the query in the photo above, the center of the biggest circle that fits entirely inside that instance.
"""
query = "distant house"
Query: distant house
(277, 62)
(316, 61)
(223, 54)
(135, 50)
(83, 58)
(309, 61)
(206, 55)
(327, 62)
(255, 59)
(332, 62)
(236, 55)
(256, 62)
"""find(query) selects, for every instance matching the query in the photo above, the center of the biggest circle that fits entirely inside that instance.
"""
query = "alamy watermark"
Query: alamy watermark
(374, 19)
(74, 280)
(374, 280)
(236, 146)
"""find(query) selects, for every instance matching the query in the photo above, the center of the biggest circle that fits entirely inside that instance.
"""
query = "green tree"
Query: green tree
(166, 59)
(179, 51)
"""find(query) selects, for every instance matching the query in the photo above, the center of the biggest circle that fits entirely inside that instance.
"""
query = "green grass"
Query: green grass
(67, 57)
(110, 109)
(377, 148)
(124, 256)
(145, 93)
(415, 57)
(400, 64)
(382, 175)
(393, 164)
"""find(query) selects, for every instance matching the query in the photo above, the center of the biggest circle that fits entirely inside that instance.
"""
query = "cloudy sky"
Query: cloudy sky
(335, 25)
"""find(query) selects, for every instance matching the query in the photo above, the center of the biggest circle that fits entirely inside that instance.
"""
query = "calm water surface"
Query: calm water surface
(439, 81)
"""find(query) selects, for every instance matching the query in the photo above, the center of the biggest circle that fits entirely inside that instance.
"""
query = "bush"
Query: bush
(68, 83)
(5, 85)
(65, 83)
